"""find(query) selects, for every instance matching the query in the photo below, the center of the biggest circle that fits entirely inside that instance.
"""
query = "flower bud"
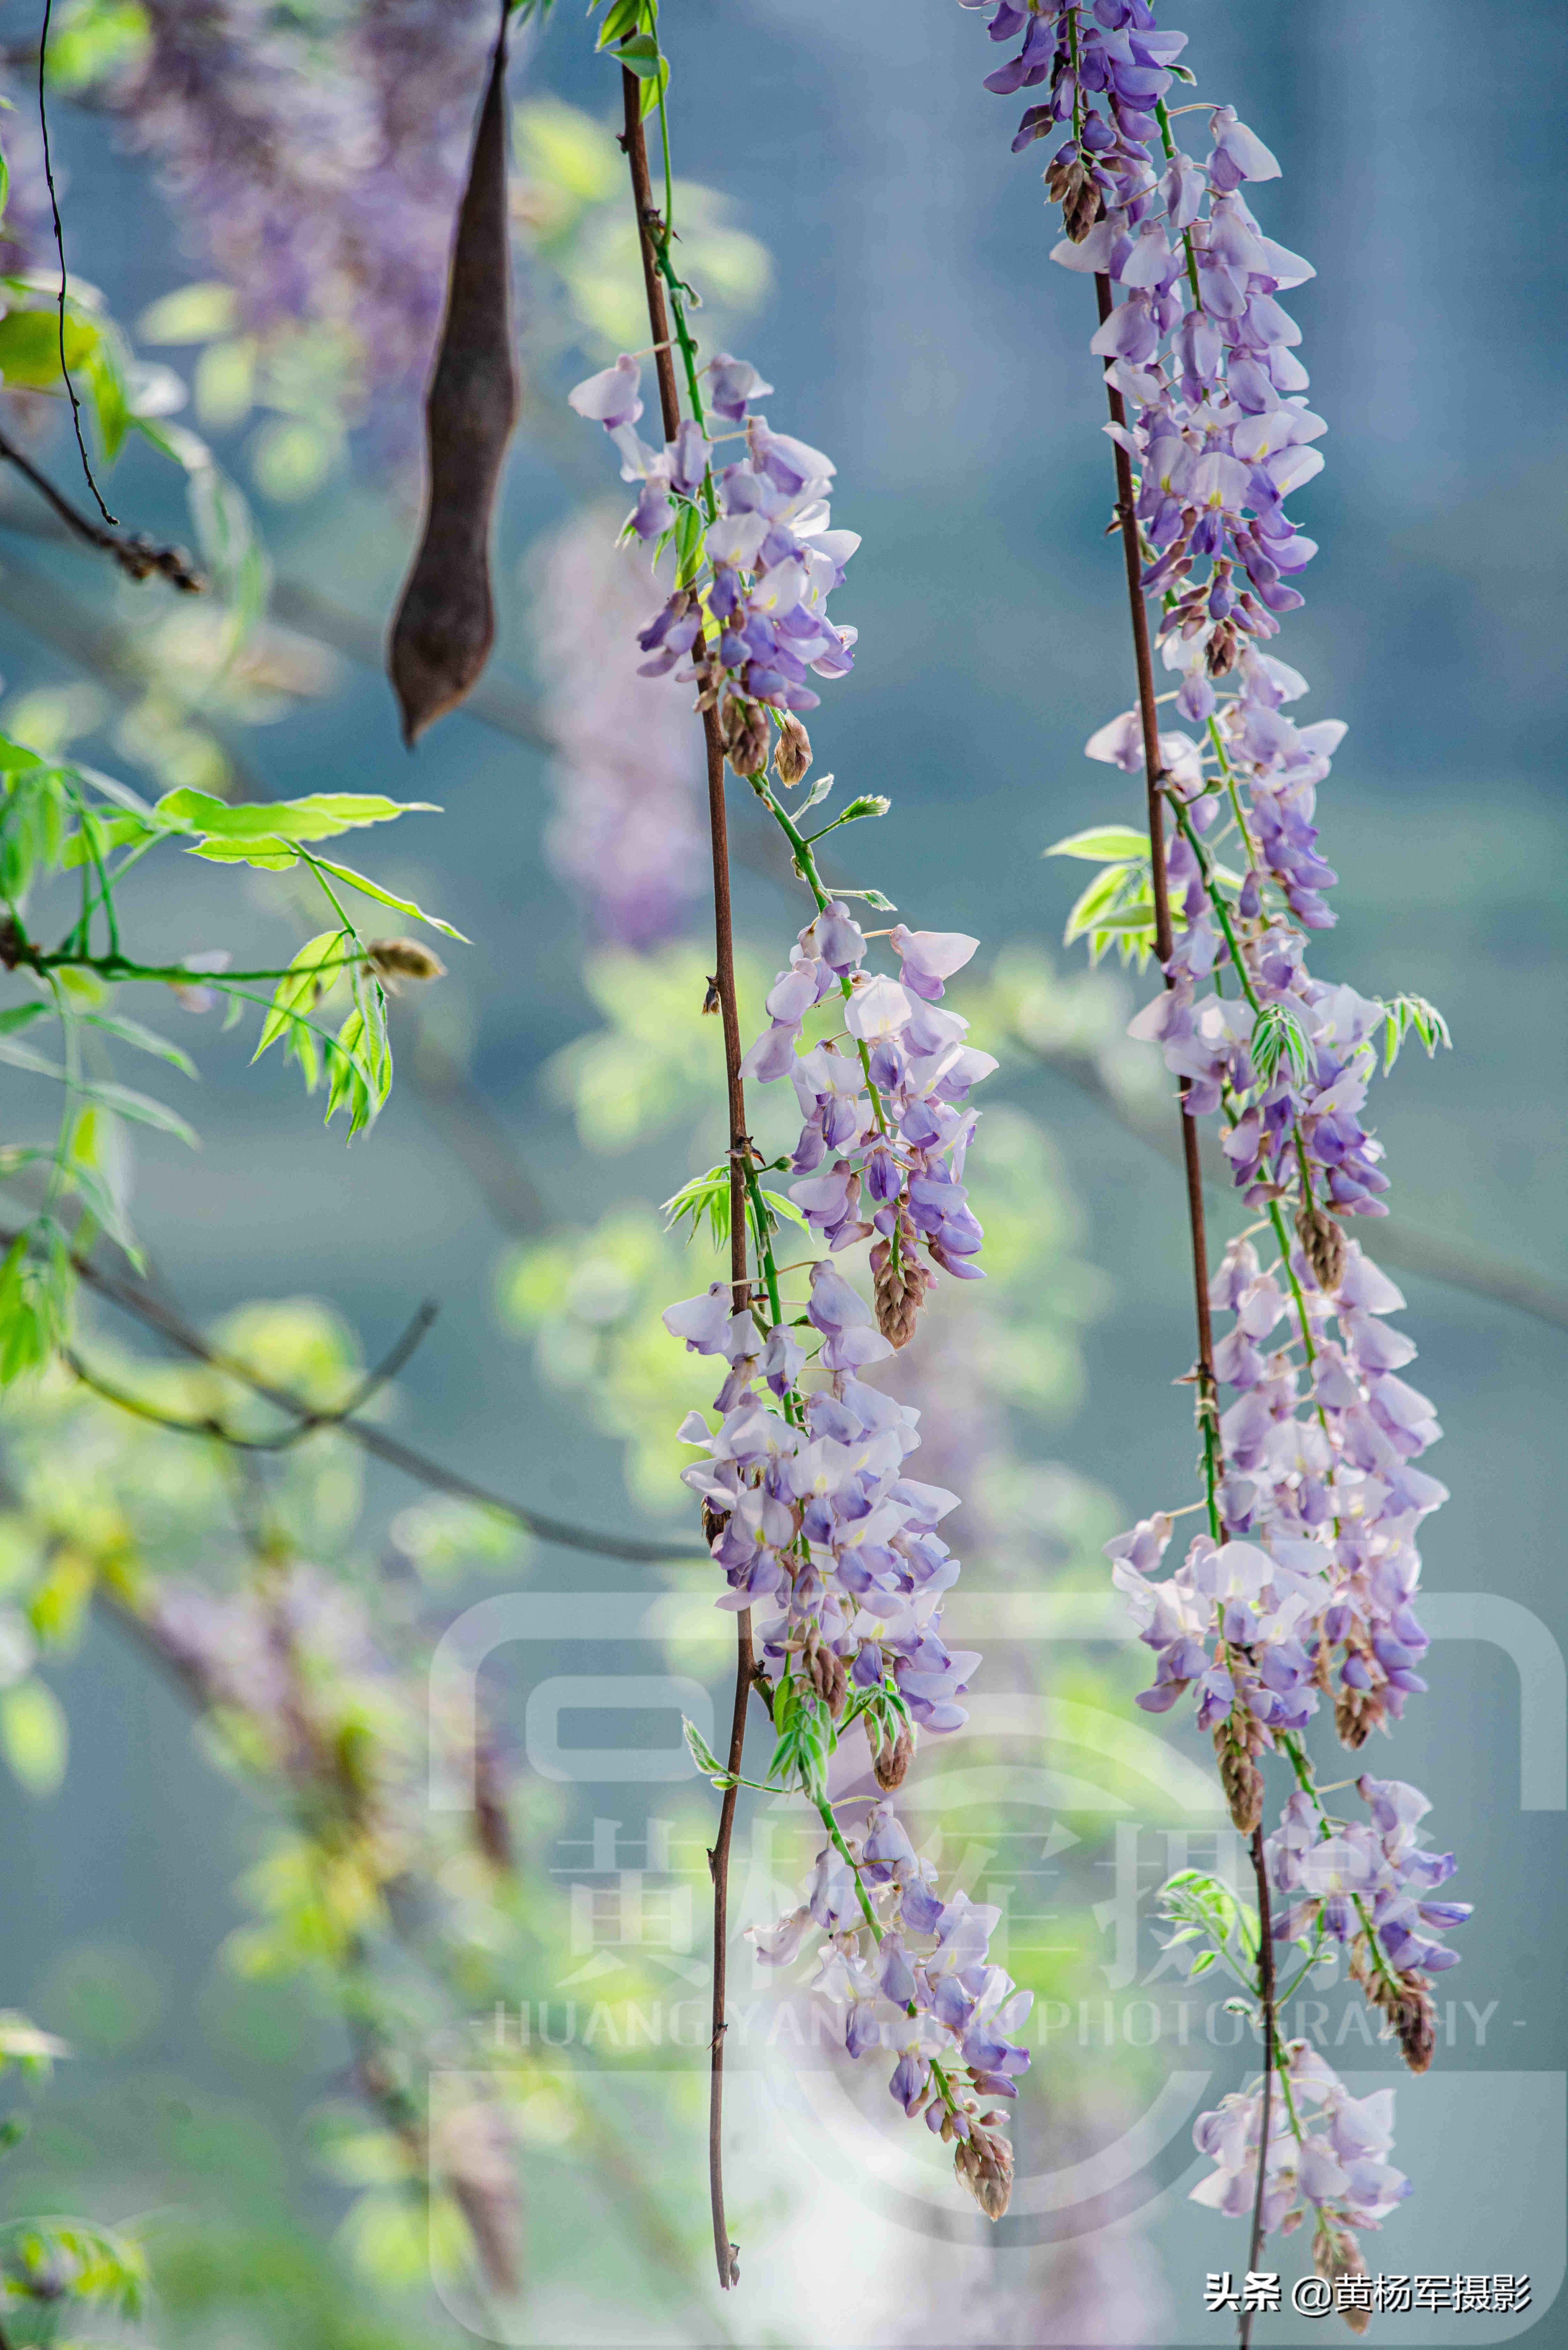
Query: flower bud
(395, 958)
(792, 752)
(891, 1762)
(1324, 1240)
(983, 2162)
(1241, 1780)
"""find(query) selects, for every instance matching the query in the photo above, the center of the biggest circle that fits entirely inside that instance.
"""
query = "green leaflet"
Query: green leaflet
(1102, 844)
(301, 985)
(321, 817)
(368, 889)
(1278, 1035)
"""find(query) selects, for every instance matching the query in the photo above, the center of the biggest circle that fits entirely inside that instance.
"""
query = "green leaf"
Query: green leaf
(385, 898)
(818, 793)
(143, 1109)
(145, 1040)
(705, 1195)
(689, 545)
(623, 17)
(1102, 844)
(654, 88)
(872, 898)
(784, 1208)
(1414, 1011)
(20, 1015)
(302, 984)
(1278, 1035)
(30, 347)
(1201, 1965)
(35, 1735)
(321, 817)
(702, 1754)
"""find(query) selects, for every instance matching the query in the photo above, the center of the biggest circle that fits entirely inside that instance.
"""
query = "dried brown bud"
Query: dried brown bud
(1336, 2253)
(828, 1673)
(1324, 1241)
(711, 1000)
(1072, 186)
(1357, 1714)
(892, 1763)
(792, 752)
(1223, 648)
(713, 1523)
(1241, 1778)
(983, 2161)
(10, 944)
(899, 1284)
(397, 959)
(744, 728)
(1405, 1997)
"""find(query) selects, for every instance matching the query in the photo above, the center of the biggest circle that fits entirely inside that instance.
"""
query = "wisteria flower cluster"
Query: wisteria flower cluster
(887, 1118)
(1302, 1585)
(810, 1508)
(759, 556)
(1377, 1866)
(807, 1503)
(1325, 2158)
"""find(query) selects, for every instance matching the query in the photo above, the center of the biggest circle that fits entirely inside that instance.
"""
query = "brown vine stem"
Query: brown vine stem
(647, 220)
(1266, 1987)
(1207, 1399)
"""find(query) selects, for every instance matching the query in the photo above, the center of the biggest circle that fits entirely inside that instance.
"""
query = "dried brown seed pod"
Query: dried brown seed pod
(445, 622)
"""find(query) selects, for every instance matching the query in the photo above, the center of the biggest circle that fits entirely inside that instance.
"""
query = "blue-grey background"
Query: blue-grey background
(918, 335)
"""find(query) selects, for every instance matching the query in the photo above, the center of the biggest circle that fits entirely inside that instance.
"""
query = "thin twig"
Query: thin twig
(287, 1439)
(135, 553)
(636, 148)
(151, 1311)
(1479, 1270)
(112, 520)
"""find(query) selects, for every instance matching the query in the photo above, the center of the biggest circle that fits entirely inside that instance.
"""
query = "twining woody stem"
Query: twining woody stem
(636, 147)
(1208, 1400)
(1266, 1987)
(1154, 773)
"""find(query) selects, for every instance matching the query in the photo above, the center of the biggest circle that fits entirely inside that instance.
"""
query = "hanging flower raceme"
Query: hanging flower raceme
(1304, 1584)
(823, 1536)
(814, 1516)
(1325, 2160)
(758, 560)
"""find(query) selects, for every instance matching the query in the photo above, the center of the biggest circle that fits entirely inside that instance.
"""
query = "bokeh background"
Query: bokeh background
(918, 335)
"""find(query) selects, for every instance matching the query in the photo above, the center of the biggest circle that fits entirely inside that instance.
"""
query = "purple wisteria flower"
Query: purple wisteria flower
(1366, 1877)
(772, 560)
(885, 1121)
(1325, 2160)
